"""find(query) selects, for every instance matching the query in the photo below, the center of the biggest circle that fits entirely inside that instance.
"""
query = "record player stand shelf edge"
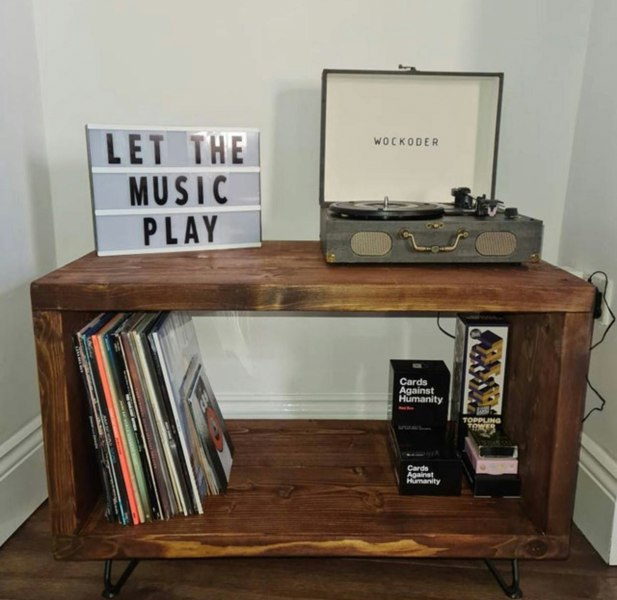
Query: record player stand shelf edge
(324, 488)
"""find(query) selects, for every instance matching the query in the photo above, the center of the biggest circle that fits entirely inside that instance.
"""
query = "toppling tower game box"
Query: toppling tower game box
(479, 372)
(421, 443)
(489, 457)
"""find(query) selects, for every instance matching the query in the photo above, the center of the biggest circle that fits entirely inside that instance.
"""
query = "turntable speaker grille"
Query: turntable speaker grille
(496, 243)
(371, 243)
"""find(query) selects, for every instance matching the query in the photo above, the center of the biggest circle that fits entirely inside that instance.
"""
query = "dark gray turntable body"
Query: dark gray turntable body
(412, 136)
(448, 239)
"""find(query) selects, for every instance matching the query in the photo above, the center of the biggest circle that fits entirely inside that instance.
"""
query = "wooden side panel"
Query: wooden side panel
(571, 390)
(532, 372)
(548, 359)
(72, 475)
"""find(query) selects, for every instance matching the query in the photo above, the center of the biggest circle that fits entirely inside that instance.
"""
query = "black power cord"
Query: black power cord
(442, 329)
(610, 312)
(596, 344)
(593, 345)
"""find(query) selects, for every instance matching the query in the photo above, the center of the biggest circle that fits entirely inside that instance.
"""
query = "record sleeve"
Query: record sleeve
(137, 417)
(111, 475)
(128, 476)
(208, 422)
(193, 400)
(171, 346)
(157, 393)
(154, 443)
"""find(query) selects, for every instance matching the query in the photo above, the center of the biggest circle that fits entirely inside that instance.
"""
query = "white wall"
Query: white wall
(196, 62)
(588, 244)
(27, 250)
(259, 64)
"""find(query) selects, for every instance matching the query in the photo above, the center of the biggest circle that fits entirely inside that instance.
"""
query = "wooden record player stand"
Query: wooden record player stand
(324, 488)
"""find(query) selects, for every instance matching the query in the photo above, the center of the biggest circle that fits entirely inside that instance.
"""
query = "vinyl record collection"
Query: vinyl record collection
(159, 435)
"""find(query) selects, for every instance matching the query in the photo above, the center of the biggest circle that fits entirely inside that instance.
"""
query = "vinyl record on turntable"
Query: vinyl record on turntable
(386, 210)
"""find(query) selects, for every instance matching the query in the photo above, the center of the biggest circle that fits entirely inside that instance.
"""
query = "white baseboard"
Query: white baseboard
(23, 485)
(303, 406)
(595, 509)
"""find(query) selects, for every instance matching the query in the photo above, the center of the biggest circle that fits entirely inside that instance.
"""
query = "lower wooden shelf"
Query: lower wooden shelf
(321, 488)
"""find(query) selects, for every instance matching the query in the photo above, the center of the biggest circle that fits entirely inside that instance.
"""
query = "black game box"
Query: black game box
(426, 470)
(419, 398)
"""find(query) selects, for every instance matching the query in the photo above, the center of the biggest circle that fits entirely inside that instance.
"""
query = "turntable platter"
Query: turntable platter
(386, 210)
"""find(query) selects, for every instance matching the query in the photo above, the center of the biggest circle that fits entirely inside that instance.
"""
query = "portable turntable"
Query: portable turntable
(393, 143)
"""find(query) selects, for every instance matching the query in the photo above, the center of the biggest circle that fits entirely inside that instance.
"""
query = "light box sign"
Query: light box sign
(172, 189)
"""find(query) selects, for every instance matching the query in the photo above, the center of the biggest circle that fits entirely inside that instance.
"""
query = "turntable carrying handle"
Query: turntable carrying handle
(407, 235)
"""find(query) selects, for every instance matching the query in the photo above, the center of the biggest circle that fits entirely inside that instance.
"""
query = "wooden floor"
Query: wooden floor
(28, 571)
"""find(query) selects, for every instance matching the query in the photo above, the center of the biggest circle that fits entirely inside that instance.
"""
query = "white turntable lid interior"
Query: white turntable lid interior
(411, 138)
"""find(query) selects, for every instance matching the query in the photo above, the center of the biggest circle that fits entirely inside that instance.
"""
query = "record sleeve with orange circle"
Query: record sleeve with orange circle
(215, 429)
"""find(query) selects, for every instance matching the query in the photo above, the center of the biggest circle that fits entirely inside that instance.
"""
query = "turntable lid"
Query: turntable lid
(410, 135)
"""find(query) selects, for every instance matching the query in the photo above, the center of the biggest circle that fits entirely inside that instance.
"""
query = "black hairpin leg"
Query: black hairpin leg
(512, 590)
(111, 590)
